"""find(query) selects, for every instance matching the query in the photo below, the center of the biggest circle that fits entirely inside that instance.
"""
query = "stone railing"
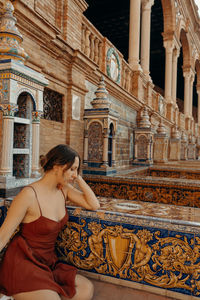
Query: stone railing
(126, 78)
(92, 43)
(181, 120)
(97, 48)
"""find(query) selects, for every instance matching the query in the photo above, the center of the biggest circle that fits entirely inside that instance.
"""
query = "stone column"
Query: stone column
(174, 74)
(169, 45)
(191, 93)
(134, 34)
(85, 155)
(145, 35)
(113, 151)
(6, 167)
(198, 116)
(186, 75)
(105, 149)
(35, 170)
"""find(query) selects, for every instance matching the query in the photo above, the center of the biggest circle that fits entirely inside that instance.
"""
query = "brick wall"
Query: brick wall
(47, 10)
(72, 24)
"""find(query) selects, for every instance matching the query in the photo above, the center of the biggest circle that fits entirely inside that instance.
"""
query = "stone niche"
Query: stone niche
(99, 135)
(21, 103)
(144, 140)
(161, 140)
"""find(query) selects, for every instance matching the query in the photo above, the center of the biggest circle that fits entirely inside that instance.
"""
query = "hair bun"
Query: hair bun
(43, 160)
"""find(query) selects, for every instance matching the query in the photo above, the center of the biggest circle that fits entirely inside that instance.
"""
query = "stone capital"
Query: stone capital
(169, 45)
(147, 4)
(8, 109)
(36, 115)
(187, 72)
(176, 52)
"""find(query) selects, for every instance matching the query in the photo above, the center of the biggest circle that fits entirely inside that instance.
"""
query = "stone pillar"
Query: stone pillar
(6, 167)
(174, 74)
(175, 145)
(145, 35)
(113, 151)
(186, 74)
(35, 170)
(134, 34)
(192, 148)
(169, 45)
(85, 155)
(184, 146)
(160, 153)
(105, 149)
(191, 93)
(198, 116)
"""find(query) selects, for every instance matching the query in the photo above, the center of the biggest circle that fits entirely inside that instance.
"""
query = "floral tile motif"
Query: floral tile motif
(166, 191)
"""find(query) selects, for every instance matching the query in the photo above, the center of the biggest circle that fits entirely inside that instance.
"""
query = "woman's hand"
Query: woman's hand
(85, 197)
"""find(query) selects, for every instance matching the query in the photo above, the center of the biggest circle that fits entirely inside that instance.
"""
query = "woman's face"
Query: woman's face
(70, 174)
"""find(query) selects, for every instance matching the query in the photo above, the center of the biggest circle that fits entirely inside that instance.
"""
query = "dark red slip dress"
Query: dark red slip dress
(30, 262)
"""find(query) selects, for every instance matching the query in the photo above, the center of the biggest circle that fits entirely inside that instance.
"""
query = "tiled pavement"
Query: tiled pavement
(108, 291)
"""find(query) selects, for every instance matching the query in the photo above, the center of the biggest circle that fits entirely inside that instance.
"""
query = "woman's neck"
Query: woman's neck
(49, 181)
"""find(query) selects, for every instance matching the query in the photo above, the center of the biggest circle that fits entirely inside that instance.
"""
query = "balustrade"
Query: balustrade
(95, 46)
(92, 42)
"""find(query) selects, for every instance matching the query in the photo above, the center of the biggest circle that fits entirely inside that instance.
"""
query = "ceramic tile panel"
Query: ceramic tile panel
(149, 189)
(145, 243)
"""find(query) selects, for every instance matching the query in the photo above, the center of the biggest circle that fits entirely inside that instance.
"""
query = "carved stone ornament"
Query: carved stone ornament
(36, 115)
(113, 65)
(184, 137)
(175, 133)
(161, 128)
(144, 122)
(9, 110)
(101, 100)
(161, 105)
(10, 37)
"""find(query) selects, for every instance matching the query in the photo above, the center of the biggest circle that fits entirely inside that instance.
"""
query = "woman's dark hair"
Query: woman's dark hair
(60, 155)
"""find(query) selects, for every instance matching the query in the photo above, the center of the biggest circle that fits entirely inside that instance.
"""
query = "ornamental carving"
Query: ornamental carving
(52, 105)
(95, 142)
(113, 65)
(138, 255)
(142, 147)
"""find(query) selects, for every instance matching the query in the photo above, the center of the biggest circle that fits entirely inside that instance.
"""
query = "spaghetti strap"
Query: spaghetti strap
(36, 198)
(63, 194)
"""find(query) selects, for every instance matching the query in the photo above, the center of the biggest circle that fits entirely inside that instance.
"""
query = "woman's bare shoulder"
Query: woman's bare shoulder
(26, 194)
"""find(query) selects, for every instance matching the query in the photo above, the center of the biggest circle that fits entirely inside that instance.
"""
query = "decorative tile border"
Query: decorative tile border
(147, 254)
(170, 191)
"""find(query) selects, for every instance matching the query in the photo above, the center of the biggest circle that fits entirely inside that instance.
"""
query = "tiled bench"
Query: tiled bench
(137, 244)
(143, 245)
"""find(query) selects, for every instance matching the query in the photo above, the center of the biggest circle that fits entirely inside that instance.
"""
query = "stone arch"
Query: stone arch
(29, 92)
(186, 48)
(114, 126)
(197, 68)
(169, 15)
(180, 26)
(94, 120)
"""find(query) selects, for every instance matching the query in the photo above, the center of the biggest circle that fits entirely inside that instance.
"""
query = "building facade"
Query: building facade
(132, 98)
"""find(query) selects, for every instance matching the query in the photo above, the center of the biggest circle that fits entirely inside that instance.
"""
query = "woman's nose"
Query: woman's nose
(75, 174)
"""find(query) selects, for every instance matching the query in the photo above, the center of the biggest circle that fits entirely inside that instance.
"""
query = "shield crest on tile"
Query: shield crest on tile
(118, 250)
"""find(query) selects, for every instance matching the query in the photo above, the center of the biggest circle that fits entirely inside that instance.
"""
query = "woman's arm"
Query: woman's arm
(15, 215)
(84, 198)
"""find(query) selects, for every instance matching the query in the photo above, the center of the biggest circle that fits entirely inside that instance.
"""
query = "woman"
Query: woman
(29, 269)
